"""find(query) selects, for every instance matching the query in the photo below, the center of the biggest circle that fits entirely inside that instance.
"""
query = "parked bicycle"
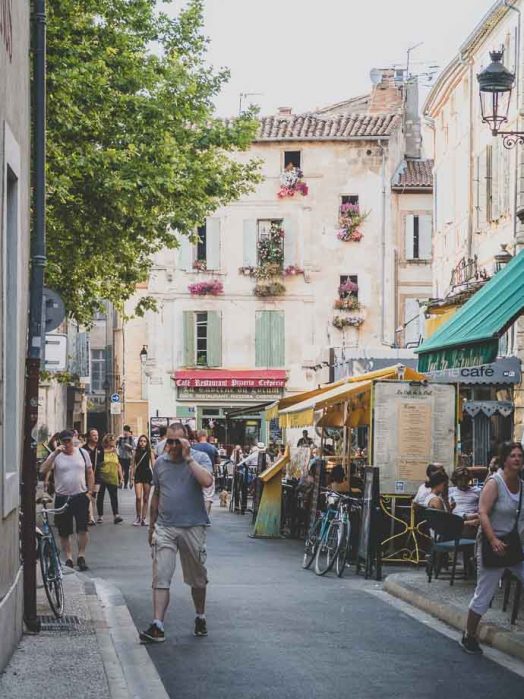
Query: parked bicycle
(319, 529)
(50, 558)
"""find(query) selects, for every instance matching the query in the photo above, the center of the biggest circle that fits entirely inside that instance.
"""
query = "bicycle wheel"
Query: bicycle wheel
(343, 551)
(310, 547)
(52, 577)
(328, 547)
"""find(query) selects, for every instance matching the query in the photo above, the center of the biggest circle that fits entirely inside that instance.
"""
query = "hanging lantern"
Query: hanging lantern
(495, 86)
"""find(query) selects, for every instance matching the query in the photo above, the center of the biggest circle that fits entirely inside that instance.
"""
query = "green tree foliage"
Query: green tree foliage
(134, 149)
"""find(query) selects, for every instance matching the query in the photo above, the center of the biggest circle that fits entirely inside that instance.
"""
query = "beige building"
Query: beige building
(478, 189)
(284, 289)
(14, 263)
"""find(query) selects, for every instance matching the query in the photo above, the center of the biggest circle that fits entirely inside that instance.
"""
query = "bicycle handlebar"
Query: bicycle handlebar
(57, 510)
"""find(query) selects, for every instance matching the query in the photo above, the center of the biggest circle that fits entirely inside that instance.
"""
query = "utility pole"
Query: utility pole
(34, 335)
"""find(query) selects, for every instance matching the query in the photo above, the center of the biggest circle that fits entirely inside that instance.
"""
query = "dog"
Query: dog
(223, 497)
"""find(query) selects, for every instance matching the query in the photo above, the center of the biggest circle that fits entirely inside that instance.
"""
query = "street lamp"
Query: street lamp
(495, 87)
(143, 355)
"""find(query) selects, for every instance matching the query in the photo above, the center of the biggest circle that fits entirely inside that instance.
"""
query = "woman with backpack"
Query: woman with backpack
(141, 478)
(111, 477)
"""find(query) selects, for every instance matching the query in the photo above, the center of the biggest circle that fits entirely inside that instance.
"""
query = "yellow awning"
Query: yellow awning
(437, 318)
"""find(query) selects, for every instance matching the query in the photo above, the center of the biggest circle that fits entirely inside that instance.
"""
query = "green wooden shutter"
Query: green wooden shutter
(290, 243)
(189, 338)
(214, 338)
(250, 243)
(185, 253)
(213, 243)
(269, 339)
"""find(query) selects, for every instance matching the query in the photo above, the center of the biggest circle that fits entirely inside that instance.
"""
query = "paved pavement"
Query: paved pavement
(278, 630)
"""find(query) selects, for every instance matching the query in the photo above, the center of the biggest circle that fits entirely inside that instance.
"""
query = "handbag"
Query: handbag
(513, 553)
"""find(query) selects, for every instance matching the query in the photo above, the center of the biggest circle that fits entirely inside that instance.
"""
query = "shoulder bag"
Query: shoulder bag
(513, 553)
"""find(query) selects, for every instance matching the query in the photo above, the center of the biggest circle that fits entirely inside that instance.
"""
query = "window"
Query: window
(412, 323)
(98, 370)
(293, 157)
(350, 290)
(266, 233)
(205, 253)
(418, 236)
(349, 199)
(201, 247)
(202, 338)
(269, 339)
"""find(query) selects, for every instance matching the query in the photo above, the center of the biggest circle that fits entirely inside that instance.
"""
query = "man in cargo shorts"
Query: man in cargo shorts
(177, 524)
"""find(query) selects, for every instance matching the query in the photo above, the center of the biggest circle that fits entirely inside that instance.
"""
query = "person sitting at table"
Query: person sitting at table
(437, 498)
(425, 489)
(465, 496)
(338, 481)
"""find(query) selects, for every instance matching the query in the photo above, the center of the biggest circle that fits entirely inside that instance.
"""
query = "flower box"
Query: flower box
(200, 266)
(341, 322)
(349, 303)
(291, 183)
(247, 271)
(274, 288)
(349, 219)
(212, 287)
(292, 270)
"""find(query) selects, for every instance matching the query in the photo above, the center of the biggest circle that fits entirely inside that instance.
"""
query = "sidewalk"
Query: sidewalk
(93, 652)
(450, 604)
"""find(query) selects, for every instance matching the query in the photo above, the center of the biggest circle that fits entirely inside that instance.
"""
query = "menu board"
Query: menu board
(413, 426)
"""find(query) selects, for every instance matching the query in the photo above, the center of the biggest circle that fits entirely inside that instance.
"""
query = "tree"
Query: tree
(134, 150)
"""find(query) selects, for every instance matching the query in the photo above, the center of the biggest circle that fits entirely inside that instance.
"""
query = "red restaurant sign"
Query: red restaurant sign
(222, 378)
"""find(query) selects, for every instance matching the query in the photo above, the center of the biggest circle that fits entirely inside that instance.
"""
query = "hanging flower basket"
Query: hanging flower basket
(274, 288)
(268, 270)
(349, 303)
(348, 288)
(349, 219)
(247, 271)
(213, 287)
(292, 270)
(200, 266)
(351, 321)
(291, 183)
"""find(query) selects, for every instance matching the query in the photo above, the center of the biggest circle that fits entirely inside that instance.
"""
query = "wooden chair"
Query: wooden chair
(447, 529)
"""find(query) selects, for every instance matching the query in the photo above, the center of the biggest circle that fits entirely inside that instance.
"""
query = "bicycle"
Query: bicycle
(347, 505)
(50, 558)
(318, 530)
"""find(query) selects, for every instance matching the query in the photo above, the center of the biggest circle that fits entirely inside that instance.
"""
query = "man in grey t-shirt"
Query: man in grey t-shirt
(177, 524)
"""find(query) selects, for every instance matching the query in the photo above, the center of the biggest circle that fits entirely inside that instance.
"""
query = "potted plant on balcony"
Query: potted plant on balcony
(291, 183)
(347, 297)
(269, 288)
(349, 220)
(349, 321)
(211, 287)
(200, 265)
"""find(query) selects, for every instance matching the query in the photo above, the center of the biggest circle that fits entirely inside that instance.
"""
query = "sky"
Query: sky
(310, 53)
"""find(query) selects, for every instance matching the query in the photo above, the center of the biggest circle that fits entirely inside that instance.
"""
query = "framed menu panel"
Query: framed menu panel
(413, 425)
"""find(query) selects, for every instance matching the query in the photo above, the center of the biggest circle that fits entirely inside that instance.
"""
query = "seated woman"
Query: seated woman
(425, 489)
(338, 481)
(465, 500)
(437, 498)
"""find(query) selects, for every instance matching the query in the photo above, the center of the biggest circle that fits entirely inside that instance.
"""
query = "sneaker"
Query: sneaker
(137, 522)
(470, 645)
(200, 627)
(118, 519)
(143, 523)
(100, 520)
(152, 635)
(69, 563)
(81, 563)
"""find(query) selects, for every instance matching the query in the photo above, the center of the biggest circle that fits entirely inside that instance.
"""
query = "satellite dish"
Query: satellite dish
(376, 76)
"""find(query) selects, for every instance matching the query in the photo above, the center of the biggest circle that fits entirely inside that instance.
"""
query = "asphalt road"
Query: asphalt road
(277, 630)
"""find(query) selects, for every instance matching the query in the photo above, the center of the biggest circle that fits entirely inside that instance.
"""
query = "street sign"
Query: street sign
(115, 398)
(116, 408)
(53, 310)
(55, 355)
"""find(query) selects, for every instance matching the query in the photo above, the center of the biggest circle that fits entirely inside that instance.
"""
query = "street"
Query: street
(277, 629)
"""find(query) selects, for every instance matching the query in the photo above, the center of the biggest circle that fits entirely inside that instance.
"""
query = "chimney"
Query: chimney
(386, 95)
(412, 133)
(285, 111)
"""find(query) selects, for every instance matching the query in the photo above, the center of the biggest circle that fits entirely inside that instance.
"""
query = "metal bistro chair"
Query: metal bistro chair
(447, 529)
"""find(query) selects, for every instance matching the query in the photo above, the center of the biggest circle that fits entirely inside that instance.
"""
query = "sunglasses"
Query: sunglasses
(68, 439)
(170, 442)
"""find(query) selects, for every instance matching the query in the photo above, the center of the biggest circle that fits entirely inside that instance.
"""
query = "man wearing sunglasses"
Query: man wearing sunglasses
(177, 525)
(74, 480)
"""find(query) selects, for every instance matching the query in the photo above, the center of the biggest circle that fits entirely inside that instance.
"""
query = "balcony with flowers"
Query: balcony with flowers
(347, 302)
(292, 182)
(350, 219)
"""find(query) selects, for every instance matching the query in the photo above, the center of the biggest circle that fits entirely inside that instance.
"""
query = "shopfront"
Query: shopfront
(227, 402)
(486, 406)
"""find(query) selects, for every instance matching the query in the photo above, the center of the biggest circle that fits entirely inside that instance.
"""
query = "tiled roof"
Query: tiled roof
(310, 127)
(414, 174)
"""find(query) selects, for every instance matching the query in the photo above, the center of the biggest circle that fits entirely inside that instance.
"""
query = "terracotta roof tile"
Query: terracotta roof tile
(414, 174)
(311, 127)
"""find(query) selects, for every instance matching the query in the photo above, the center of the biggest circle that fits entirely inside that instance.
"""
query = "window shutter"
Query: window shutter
(261, 339)
(269, 339)
(425, 225)
(250, 243)
(495, 185)
(489, 183)
(214, 338)
(476, 192)
(408, 236)
(213, 243)
(482, 191)
(189, 338)
(411, 321)
(277, 357)
(185, 253)
(506, 169)
(290, 243)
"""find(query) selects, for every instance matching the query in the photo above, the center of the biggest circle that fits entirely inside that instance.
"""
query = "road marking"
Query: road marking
(506, 661)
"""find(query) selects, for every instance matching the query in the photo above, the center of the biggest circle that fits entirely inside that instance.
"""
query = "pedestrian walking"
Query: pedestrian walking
(502, 538)
(141, 478)
(73, 481)
(96, 454)
(125, 447)
(111, 477)
(177, 525)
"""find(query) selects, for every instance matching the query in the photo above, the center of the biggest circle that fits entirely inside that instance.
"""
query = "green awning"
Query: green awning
(471, 336)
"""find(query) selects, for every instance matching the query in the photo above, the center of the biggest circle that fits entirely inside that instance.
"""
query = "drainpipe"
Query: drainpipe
(34, 335)
(469, 238)
(383, 247)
